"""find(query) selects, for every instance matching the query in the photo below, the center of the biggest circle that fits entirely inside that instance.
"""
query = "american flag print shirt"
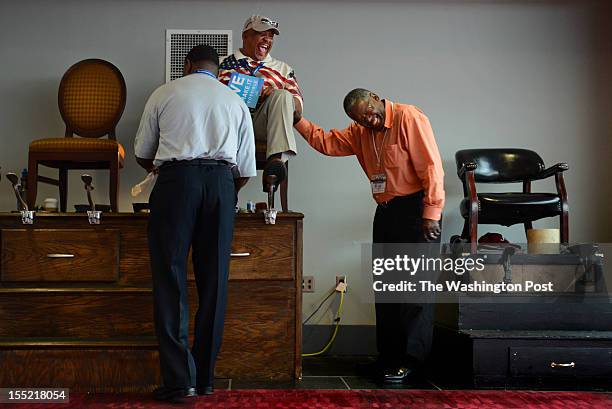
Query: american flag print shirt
(275, 73)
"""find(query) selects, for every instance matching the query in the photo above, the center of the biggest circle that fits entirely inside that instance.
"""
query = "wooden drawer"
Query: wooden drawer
(562, 362)
(112, 313)
(270, 249)
(56, 255)
(102, 367)
(261, 252)
(76, 314)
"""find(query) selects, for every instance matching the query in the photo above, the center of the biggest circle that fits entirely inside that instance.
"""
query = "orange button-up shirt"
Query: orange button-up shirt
(410, 158)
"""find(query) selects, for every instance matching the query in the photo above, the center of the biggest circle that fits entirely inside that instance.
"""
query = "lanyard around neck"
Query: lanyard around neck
(253, 71)
(205, 72)
(376, 151)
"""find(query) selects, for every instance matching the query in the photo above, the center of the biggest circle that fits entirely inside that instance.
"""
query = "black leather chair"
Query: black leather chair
(508, 166)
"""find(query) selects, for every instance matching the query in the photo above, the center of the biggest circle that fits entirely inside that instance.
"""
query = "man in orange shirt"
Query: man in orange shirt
(395, 146)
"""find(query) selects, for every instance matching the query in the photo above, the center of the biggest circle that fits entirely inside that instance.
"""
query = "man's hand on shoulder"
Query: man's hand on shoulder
(431, 229)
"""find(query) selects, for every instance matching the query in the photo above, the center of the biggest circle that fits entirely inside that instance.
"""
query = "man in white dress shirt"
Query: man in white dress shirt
(198, 134)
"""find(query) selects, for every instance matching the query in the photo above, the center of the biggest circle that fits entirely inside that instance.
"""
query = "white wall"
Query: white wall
(488, 74)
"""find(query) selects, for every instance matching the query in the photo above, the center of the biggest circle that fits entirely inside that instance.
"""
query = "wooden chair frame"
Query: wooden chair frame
(65, 161)
(466, 173)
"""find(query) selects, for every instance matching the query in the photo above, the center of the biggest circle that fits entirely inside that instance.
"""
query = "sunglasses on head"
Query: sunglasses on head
(270, 22)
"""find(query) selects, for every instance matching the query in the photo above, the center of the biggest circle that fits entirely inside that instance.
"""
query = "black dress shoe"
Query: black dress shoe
(274, 173)
(206, 390)
(398, 374)
(173, 395)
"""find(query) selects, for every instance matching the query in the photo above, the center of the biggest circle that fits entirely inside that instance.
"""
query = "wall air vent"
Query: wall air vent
(179, 42)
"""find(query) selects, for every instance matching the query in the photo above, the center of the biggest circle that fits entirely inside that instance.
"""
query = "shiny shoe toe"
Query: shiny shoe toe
(398, 375)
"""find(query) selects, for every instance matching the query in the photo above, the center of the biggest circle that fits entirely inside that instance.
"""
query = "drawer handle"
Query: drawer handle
(556, 365)
(59, 255)
(240, 254)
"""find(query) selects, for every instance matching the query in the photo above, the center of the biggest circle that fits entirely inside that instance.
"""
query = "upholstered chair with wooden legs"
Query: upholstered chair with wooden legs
(91, 98)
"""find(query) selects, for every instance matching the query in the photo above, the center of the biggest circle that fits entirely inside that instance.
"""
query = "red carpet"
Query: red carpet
(358, 399)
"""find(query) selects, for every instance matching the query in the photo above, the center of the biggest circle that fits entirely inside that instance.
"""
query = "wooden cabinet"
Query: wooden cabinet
(556, 340)
(76, 303)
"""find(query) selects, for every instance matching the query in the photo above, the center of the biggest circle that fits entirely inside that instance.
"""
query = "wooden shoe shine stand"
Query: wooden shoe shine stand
(76, 305)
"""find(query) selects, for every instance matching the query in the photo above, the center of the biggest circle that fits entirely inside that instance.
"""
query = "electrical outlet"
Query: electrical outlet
(341, 279)
(308, 284)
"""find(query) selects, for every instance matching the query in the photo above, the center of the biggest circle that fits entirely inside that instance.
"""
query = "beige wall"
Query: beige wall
(488, 74)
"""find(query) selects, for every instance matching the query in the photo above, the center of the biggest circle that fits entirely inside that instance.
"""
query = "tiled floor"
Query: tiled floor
(324, 373)
(329, 372)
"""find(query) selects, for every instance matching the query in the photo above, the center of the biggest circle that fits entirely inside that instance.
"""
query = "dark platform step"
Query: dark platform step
(533, 359)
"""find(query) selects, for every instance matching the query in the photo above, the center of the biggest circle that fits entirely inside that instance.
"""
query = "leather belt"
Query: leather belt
(196, 162)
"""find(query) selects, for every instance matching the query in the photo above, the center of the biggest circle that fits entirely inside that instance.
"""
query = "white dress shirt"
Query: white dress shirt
(196, 116)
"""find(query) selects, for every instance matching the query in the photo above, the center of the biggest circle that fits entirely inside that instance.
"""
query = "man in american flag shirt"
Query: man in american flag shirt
(280, 96)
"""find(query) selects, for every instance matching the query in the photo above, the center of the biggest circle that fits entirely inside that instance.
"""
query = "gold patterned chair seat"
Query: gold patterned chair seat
(65, 145)
(91, 99)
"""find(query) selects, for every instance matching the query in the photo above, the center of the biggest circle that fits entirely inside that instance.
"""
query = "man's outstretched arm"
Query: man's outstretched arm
(333, 143)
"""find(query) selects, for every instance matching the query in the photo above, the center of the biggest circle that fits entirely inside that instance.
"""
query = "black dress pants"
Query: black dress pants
(192, 205)
(403, 330)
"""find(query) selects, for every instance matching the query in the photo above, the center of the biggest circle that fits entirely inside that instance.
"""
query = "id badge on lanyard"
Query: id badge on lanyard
(378, 183)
